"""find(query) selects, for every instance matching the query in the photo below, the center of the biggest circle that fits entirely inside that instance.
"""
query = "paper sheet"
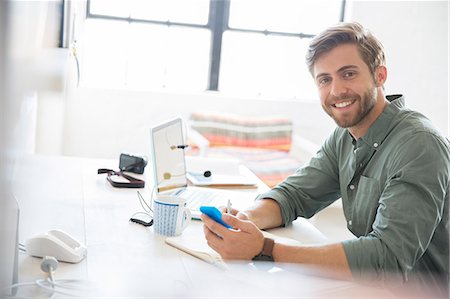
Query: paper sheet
(195, 244)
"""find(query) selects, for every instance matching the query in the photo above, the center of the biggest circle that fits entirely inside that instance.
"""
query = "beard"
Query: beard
(365, 105)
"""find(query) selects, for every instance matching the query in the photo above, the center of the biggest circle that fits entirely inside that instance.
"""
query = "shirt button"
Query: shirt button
(375, 144)
(352, 187)
(350, 222)
(361, 164)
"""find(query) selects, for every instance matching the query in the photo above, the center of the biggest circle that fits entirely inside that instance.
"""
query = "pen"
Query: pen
(229, 207)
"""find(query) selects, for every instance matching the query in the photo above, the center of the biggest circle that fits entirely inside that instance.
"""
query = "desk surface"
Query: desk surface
(126, 259)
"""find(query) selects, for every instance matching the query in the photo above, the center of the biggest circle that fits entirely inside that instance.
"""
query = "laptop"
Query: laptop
(169, 170)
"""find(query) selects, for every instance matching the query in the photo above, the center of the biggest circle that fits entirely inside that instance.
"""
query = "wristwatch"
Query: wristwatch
(266, 253)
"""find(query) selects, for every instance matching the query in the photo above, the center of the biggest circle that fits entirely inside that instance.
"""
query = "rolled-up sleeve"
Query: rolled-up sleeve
(311, 188)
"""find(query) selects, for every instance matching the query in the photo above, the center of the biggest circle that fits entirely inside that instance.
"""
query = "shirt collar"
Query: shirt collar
(378, 131)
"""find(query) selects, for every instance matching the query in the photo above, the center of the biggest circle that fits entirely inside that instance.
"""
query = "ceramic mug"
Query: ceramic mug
(170, 215)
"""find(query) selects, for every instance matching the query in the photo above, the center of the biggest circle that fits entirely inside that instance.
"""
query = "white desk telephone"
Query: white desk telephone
(58, 244)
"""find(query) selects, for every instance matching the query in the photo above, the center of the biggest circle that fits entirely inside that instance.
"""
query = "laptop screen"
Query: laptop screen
(167, 144)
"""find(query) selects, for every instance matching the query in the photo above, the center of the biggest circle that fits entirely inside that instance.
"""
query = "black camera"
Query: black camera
(131, 163)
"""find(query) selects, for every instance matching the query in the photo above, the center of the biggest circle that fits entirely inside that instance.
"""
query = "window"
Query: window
(242, 47)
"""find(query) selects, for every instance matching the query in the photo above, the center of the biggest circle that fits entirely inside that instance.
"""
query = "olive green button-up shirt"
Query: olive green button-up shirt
(394, 185)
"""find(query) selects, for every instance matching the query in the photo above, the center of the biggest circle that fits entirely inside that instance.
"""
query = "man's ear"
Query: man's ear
(380, 75)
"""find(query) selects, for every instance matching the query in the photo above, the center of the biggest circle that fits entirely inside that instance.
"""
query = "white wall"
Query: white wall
(118, 121)
(415, 37)
(103, 123)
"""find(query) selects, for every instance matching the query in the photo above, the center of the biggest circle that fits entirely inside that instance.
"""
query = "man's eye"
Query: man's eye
(349, 74)
(323, 81)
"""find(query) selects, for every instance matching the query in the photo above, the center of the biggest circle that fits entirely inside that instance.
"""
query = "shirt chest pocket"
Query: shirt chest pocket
(365, 205)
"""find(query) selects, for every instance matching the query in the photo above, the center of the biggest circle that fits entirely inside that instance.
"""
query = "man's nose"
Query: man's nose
(338, 88)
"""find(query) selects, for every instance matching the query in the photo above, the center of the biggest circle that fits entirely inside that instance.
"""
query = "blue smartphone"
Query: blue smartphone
(214, 214)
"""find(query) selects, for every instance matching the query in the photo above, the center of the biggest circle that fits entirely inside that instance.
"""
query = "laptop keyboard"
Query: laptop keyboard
(199, 197)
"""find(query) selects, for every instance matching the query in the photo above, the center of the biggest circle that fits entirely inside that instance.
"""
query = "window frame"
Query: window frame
(218, 20)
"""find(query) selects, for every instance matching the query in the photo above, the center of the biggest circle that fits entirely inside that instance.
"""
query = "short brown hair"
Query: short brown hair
(369, 47)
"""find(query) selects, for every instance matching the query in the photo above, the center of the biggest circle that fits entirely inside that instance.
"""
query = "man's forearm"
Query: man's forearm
(328, 259)
(265, 213)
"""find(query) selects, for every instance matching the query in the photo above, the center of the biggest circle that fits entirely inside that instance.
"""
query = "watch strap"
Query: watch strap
(266, 252)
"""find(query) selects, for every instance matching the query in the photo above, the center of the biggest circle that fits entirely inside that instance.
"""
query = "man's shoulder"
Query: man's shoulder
(413, 124)
(412, 134)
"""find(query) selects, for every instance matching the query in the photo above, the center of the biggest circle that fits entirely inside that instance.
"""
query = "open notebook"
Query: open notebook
(223, 173)
(193, 242)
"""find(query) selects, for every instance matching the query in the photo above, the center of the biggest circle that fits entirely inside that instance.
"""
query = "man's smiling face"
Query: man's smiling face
(347, 88)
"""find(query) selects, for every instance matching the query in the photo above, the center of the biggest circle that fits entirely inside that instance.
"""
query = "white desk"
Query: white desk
(129, 260)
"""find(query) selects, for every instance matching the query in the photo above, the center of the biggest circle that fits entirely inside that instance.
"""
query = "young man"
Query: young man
(389, 165)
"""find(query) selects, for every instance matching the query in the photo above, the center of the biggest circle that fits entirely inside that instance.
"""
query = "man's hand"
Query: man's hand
(243, 242)
(264, 213)
(246, 241)
(239, 214)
